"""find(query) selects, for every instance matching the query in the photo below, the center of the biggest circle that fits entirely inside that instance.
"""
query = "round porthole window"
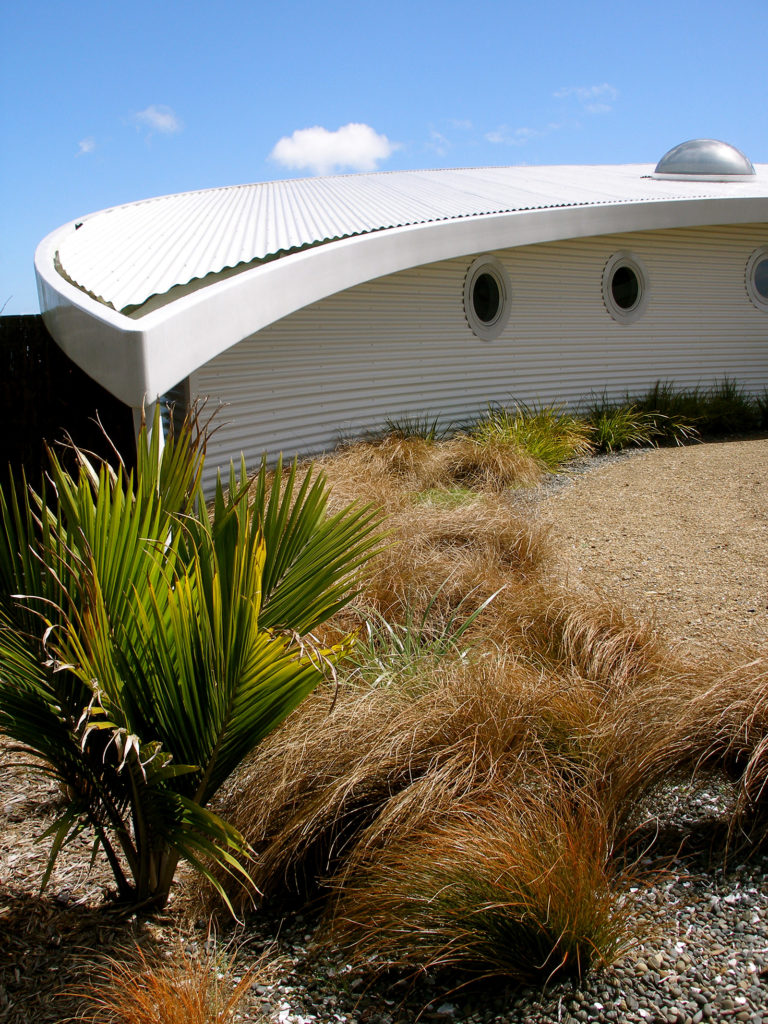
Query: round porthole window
(487, 295)
(757, 278)
(625, 287)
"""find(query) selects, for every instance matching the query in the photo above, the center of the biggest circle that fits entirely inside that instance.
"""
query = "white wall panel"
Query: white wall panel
(401, 344)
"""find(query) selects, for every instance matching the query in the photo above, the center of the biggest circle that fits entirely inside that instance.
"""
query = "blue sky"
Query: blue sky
(105, 103)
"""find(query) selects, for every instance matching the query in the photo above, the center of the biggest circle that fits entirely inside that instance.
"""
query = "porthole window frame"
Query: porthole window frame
(487, 330)
(755, 297)
(635, 311)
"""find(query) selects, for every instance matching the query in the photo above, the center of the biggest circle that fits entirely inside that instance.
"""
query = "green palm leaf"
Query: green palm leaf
(147, 641)
(311, 558)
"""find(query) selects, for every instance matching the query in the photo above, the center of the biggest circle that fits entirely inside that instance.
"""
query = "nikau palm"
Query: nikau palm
(148, 643)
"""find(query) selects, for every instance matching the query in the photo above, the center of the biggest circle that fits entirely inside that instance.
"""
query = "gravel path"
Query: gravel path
(679, 534)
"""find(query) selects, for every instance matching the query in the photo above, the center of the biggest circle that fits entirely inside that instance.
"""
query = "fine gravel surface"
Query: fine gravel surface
(678, 534)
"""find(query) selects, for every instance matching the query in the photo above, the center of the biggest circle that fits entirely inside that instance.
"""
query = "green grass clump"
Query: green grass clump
(728, 410)
(761, 406)
(615, 427)
(717, 411)
(667, 414)
(388, 653)
(445, 497)
(618, 425)
(548, 433)
(428, 428)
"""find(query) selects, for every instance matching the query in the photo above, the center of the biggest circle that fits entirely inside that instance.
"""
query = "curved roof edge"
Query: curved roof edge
(139, 360)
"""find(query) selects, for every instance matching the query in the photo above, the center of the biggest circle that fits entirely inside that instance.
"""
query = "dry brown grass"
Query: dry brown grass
(330, 781)
(513, 885)
(327, 776)
(583, 634)
(335, 784)
(735, 715)
(136, 988)
(501, 779)
(474, 548)
(548, 685)
(387, 469)
(602, 708)
(716, 718)
(494, 464)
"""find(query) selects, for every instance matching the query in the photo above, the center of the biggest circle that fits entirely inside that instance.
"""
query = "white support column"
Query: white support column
(149, 418)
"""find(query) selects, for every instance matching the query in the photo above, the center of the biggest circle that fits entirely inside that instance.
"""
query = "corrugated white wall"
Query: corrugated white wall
(401, 344)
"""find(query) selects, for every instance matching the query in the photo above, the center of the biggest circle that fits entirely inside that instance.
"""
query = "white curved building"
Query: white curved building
(317, 308)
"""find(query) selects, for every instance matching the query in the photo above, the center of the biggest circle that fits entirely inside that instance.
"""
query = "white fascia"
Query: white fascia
(139, 359)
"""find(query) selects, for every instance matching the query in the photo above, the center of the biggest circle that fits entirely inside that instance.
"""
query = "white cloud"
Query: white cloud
(595, 99)
(506, 137)
(462, 125)
(355, 147)
(158, 118)
(86, 146)
(438, 143)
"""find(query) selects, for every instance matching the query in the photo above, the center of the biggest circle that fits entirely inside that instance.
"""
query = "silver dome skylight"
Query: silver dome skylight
(704, 160)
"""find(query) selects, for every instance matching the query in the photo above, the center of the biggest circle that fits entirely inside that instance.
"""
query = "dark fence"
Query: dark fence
(45, 397)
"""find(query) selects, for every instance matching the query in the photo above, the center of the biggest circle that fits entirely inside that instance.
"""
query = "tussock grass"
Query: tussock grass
(549, 434)
(723, 408)
(430, 428)
(618, 425)
(441, 557)
(492, 463)
(727, 409)
(587, 635)
(723, 724)
(391, 653)
(138, 988)
(508, 885)
(761, 409)
(417, 464)
(332, 786)
(465, 794)
(333, 782)
(738, 730)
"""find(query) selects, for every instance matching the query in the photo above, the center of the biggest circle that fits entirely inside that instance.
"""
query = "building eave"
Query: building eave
(139, 359)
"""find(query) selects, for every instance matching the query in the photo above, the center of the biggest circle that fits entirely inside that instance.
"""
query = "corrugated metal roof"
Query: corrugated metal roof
(124, 255)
